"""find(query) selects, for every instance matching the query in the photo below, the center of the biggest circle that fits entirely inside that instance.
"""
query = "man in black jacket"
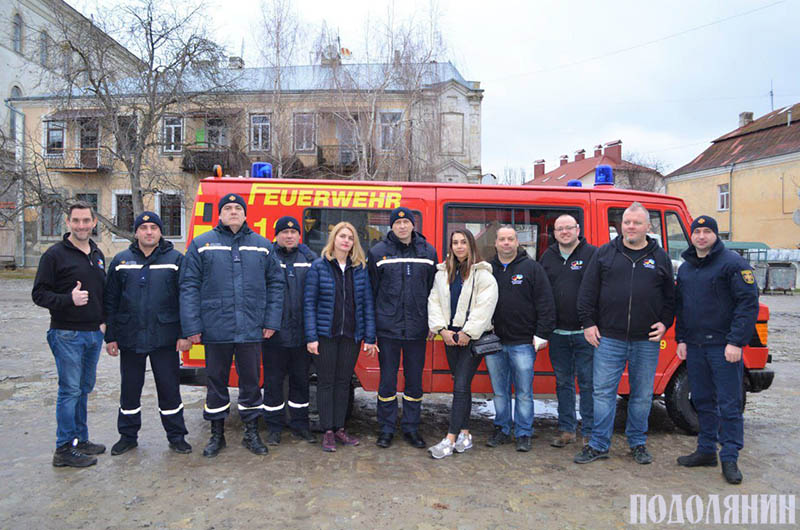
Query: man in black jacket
(716, 314)
(401, 270)
(565, 262)
(143, 320)
(525, 310)
(69, 282)
(626, 303)
(286, 351)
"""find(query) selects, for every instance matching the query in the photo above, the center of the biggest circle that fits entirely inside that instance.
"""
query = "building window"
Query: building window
(216, 132)
(452, 133)
(44, 48)
(123, 210)
(390, 130)
(91, 199)
(723, 197)
(303, 131)
(51, 215)
(54, 141)
(173, 134)
(725, 236)
(126, 137)
(17, 33)
(259, 132)
(170, 209)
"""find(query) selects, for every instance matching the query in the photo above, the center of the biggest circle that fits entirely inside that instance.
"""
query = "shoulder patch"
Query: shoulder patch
(747, 276)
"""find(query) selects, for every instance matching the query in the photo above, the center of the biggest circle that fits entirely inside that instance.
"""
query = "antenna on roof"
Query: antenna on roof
(771, 94)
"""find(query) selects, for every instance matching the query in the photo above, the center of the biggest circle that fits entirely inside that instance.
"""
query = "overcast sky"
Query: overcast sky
(666, 78)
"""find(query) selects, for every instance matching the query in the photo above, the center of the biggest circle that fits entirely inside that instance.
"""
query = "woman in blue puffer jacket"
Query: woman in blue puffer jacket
(339, 313)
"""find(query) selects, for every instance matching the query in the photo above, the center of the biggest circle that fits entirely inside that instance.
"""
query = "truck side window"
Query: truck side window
(534, 225)
(615, 224)
(677, 241)
(371, 225)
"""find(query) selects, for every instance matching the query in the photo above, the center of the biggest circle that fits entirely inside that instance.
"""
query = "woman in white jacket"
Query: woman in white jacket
(460, 309)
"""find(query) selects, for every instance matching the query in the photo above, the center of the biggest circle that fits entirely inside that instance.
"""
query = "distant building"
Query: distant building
(748, 179)
(627, 175)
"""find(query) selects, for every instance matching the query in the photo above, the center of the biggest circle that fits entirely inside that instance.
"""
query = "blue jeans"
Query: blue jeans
(716, 387)
(76, 354)
(572, 356)
(513, 364)
(609, 362)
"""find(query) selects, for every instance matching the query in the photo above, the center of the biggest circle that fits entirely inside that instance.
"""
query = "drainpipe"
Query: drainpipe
(19, 155)
(730, 205)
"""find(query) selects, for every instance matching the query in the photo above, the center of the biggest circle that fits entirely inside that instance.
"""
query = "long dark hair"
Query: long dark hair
(461, 267)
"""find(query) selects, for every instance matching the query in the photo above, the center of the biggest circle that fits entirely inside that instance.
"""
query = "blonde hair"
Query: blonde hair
(357, 257)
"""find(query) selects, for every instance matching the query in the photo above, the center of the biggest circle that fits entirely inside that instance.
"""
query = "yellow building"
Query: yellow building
(749, 180)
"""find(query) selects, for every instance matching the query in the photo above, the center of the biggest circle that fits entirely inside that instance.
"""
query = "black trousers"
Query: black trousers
(218, 369)
(463, 366)
(278, 362)
(166, 372)
(413, 355)
(335, 363)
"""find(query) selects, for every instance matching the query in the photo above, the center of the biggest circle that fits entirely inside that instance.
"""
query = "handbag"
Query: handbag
(486, 344)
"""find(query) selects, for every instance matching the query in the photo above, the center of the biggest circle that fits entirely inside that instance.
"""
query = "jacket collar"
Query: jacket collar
(244, 230)
(651, 244)
(68, 244)
(581, 243)
(164, 245)
(521, 256)
(690, 254)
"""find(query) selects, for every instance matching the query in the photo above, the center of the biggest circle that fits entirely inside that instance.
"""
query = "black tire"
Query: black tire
(677, 399)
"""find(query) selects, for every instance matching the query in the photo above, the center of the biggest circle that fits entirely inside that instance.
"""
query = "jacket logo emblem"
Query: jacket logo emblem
(747, 276)
(100, 263)
(576, 265)
(122, 262)
(649, 263)
(517, 279)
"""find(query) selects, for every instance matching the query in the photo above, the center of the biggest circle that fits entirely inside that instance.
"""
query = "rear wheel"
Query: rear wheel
(678, 399)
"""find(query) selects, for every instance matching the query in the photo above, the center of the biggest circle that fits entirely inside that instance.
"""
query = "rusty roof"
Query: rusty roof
(774, 134)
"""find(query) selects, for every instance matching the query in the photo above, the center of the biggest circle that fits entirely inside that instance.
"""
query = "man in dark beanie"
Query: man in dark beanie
(231, 300)
(143, 320)
(401, 270)
(285, 352)
(716, 311)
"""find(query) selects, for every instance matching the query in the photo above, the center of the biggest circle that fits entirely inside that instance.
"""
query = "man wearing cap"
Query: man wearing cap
(143, 320)
(231, 300)
(716, 310)
(285, 352)
(401, 268)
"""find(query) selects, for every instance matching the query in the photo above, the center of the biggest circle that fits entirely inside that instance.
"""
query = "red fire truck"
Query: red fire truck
(440, 208)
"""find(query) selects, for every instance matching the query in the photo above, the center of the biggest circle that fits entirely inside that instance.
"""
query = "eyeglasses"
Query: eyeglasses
(565, 228)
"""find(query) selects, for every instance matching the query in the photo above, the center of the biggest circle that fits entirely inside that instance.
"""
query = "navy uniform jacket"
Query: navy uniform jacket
(141, 298)
(401, 277)
(717, 300)
(231, 287)
(295, 265)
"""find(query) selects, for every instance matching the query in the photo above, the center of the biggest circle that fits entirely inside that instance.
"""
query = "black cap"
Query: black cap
(401, 212)
(285, 223)
(705, 221)
(229, 198)
(147, 217)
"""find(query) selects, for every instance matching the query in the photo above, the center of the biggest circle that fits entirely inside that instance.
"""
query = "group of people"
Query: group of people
(252, 301)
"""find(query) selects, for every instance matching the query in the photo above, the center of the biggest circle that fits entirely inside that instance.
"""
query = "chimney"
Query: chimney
(745, 118)
(789, 118)
(564, 160)
(538, 168)
(235, 63)
(613, 150)
(598, 150)
(580, 154)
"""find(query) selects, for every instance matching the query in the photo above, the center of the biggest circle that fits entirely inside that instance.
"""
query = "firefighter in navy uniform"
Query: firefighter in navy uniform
(717, 308)
(401, 270)
(231, 299)
(286, 353)
(143, 320)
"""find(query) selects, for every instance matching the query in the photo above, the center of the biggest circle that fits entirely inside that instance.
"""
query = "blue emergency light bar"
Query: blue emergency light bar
(261, 170)
(575, 183)
(603, 175)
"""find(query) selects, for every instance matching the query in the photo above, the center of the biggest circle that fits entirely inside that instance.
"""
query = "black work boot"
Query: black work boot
(252, 440)
(731, 472)
(68, 456)
(217, 441)
(697, 459)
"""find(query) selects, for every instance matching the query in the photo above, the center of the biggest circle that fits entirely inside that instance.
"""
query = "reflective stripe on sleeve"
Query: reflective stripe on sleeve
(213, 247)
(298, 405)
(273, 409)
(128, 266)
(165, 266)
(171, 412)
(214, 411)
(388, 261)
(256, 249)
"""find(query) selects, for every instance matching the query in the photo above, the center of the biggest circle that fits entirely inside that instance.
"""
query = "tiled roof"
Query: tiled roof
(576, 170)
(765, 137)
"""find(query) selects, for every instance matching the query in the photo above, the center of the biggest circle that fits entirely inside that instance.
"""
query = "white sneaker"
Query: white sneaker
(442, 449)
(463, 443)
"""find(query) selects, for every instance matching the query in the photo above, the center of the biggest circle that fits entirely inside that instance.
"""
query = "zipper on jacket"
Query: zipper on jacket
(344, 294)
(630, 296)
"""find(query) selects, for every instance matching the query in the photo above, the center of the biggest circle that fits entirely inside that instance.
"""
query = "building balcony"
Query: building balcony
(344, 160)
(204, 160)
(86, 160)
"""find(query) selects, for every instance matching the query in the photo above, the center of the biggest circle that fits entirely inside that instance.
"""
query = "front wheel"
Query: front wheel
(678, 400)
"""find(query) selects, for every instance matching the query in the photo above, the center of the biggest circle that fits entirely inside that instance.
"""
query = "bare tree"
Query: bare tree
(170, 67)
(639, 172)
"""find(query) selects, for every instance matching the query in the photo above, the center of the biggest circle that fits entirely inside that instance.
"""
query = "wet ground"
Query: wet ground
(299, 486)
